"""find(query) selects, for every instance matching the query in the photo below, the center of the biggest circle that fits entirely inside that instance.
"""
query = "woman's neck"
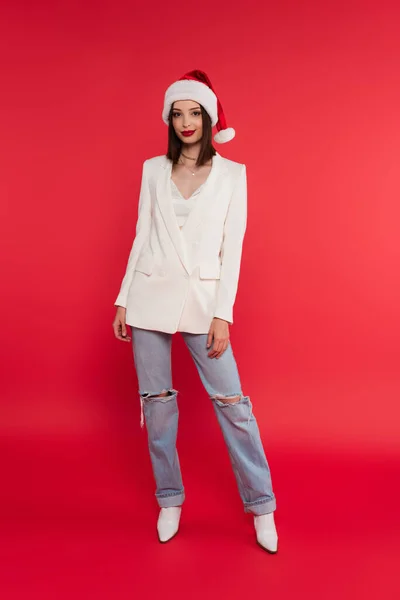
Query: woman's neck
(191, 150)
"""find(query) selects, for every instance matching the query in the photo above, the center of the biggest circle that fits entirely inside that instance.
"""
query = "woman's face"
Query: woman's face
(187, 117)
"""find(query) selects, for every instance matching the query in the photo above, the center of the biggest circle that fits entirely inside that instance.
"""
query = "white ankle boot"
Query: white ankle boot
(267, 536)
(168, 522)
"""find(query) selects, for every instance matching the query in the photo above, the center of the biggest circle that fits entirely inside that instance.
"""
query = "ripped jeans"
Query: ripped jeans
(220, 377)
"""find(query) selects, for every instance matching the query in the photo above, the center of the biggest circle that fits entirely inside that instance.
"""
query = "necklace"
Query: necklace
(188, 168)
(189, 157)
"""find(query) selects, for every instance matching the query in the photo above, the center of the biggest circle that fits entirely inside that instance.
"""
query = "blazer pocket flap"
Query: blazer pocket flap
(145, 263)
(210, 270)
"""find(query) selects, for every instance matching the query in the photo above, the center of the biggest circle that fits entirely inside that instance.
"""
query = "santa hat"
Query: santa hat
(195, 85)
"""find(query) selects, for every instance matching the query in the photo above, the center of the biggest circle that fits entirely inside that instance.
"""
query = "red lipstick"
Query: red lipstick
(188, 133)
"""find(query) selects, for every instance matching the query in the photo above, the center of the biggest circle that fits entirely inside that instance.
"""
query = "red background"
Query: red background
(313, 91)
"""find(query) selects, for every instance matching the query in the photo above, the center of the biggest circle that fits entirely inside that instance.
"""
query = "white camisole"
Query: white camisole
(183, 206)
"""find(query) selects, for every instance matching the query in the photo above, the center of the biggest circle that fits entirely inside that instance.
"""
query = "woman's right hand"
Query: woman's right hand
(119, 325)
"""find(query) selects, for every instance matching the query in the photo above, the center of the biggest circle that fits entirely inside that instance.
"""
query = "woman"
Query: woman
(182, 275)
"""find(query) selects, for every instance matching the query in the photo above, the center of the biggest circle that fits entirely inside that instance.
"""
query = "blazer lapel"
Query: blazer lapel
(164, 200)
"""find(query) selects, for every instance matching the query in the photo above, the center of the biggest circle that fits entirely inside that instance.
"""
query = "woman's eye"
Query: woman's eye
(176, 114)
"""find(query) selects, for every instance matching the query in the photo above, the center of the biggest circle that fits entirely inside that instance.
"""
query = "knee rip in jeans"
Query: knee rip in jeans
(163, 396)
(228, 398)
(225, 400)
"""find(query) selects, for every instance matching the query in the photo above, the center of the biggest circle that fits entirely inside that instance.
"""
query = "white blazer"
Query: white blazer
(179, 279)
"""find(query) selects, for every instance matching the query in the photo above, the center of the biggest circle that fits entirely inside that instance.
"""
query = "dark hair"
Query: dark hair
(207, 150)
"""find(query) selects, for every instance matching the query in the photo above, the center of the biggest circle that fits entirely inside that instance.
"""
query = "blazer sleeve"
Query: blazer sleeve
(231, 252)
(142, 231)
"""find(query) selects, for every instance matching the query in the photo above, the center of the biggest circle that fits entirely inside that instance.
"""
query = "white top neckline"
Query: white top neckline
(191, 196)
(181, 205)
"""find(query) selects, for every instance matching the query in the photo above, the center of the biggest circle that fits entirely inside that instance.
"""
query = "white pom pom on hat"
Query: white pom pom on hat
(195, 85)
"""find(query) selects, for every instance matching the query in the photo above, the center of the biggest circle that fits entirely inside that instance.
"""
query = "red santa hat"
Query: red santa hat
(195, 85)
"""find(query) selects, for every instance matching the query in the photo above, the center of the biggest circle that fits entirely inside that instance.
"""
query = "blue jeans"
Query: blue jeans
(220, 377)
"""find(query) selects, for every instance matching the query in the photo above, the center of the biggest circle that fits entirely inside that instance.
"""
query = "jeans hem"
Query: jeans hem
(171, 500)
(260, 507)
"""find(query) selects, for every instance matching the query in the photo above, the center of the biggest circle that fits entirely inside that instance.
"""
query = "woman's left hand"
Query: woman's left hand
(219, 331)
